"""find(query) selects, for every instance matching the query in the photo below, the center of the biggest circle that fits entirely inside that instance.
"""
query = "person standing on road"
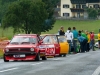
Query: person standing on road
(88, 43)
(83, 42)
(85, 36)
(61, 32)
(75, 34)
(92, 40)
(69, 36)
(99, 39)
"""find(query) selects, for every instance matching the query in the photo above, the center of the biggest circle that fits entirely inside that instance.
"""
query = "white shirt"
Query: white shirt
(69, 35)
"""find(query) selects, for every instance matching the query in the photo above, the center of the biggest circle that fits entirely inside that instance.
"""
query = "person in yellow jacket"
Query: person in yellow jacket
(88, 43)
(99, 39)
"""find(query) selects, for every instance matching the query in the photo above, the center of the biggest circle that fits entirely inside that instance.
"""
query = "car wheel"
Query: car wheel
(37, 57)
(60, 55)
(5, 59)
(44, 58)
(64, 55)
(15, 60)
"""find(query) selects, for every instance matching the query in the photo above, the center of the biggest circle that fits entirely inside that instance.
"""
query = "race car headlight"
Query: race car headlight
(31, 49)
(7, 50)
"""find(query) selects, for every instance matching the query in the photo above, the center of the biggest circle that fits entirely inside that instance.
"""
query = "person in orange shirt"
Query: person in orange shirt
(99, 39)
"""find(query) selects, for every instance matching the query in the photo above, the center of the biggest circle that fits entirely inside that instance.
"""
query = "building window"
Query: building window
(78, 6)
(83, 6)
(66, 14)
(65, 6)
(96, 6)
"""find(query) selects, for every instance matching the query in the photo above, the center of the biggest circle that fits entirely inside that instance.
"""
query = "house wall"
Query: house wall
(66, 10)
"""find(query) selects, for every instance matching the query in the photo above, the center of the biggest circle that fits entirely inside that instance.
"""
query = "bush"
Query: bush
(3, 38)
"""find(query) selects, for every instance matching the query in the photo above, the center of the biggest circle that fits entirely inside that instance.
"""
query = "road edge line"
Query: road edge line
(97, 71)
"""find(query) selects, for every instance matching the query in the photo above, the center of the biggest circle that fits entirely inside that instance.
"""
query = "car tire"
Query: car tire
(64, 55)
(15, 60)
(37, 57)
(44, 58)
(60, 55)
(5, 59)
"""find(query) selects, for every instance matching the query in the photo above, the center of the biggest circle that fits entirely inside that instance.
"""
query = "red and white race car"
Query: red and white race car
(30, 47)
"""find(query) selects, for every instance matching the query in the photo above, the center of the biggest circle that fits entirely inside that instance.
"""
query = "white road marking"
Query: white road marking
(56, 59)
(97, 71)
(8, 70)
(37, 63)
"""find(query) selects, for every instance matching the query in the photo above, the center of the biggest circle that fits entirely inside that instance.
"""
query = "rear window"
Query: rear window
(62, 39)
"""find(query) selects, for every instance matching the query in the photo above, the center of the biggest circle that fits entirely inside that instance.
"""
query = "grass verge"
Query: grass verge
(92, 25)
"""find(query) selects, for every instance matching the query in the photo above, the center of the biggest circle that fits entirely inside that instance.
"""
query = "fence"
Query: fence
(71, 18)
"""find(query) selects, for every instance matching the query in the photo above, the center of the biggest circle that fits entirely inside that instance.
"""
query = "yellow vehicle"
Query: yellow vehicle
(64, 46)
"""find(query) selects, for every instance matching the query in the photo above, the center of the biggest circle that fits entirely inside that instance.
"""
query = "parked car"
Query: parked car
(24, 47)
(60, 43)
(96, 45)
(51, 42)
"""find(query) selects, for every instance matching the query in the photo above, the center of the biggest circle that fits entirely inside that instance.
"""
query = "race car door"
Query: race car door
(64, 46)
(50, 47)
(56, 44)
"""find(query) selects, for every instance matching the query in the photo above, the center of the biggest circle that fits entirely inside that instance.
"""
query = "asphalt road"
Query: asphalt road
(76, 64)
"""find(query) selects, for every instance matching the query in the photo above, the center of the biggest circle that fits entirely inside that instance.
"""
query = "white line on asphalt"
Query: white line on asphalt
(37, 63)
(56, 59)
(8, 70)
(97, 71)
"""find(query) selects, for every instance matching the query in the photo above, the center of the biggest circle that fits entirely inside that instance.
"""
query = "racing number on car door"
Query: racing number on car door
(50, 50)
(49, 46)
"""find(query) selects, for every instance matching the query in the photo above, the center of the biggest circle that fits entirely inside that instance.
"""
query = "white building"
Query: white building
(75, 8)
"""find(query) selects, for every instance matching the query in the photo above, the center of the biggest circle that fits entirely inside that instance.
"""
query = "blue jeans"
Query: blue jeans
(69, 41)
(83, 45)
(75, 45)
(92, 45)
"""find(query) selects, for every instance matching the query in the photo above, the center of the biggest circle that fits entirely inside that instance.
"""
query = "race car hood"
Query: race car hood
(21, 46)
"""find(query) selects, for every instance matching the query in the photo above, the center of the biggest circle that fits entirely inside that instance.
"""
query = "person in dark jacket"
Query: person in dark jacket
(61, 32)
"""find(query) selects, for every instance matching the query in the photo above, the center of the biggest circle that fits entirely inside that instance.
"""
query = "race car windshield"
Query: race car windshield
(23, 40)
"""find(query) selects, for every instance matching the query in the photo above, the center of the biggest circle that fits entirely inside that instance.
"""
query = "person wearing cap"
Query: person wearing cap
(75, 35)
(61, 32)
(69, 36)
(99, 39)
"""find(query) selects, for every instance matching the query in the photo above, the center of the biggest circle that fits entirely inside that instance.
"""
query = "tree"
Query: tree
(49, 22)
(92, 13)
(7, 1)
(26, 16)
(3, 7)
